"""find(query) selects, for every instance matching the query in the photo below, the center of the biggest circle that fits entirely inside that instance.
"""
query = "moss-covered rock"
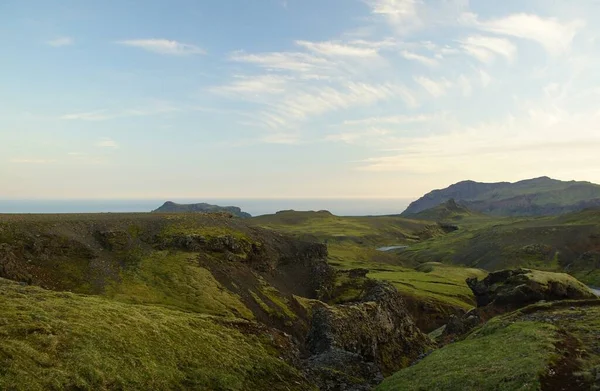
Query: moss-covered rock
(378, 330)
(511, 289)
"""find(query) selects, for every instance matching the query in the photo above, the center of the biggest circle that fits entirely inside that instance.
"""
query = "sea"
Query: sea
(256, 207)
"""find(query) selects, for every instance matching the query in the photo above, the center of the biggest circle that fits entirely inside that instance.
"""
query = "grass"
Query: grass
(566, 243)
(438, 282)
(175, 280)
(54, 341)
(499, 356)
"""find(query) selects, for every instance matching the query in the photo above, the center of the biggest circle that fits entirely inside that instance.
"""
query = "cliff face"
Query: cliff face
(532, 197)
(172, 207)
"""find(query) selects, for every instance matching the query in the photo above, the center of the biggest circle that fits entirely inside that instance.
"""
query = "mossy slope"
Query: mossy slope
(56, 340)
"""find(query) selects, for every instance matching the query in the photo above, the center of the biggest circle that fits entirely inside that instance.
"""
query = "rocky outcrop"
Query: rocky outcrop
(172, 207)
(10, 266)
(511, 289)
(360, 342)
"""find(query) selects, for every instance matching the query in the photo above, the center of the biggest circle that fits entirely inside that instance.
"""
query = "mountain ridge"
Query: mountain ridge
(530, 197)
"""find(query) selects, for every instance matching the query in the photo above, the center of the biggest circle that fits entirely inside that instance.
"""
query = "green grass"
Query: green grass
(174, 279)
(55, 341)
(438, 282)
(499, 356)
(567, 243)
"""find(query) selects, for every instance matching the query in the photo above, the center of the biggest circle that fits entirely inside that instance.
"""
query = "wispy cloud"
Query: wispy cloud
(398, 12)
(288, 61)
(555, 36)
(61, 41)
(253, 85)
(155, 108)
(107, 143)
(301, 106)
(430, 62)
(332, 48)
(100, 115)
(163, 46)
(485, 48)
(435, 88)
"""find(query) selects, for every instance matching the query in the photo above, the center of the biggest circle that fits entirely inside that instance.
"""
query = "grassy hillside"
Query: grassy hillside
(541, 347)
(58, 340)
(569, 243)
(191, 262)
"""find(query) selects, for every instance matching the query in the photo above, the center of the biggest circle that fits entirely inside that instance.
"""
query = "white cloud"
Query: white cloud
(430, 62)
(99, 115)
(107, 143)
(61, 41)
(435, 88)
(334, 49)
(253, 85)
(289, 61)
(408, 16)
(555, 36)
(395, 10)
(163, 46)
(486, 48)
(303, 105)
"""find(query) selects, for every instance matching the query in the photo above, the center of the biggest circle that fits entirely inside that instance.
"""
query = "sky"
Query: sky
(294, 98)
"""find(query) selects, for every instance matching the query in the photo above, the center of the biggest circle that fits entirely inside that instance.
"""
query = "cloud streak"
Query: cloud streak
(61, 41)
(163, 46)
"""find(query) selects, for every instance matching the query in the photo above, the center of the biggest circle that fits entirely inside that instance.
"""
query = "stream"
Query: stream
(391, 248)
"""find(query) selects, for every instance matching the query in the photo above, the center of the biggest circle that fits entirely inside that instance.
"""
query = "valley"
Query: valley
(299, 301)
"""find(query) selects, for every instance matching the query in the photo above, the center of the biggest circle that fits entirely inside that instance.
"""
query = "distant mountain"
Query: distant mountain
(532, 197)
(172, 207)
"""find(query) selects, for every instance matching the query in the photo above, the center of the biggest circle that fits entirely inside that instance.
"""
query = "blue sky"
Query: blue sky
(295, 98)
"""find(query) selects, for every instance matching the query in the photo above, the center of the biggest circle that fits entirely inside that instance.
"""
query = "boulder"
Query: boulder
(512, 289)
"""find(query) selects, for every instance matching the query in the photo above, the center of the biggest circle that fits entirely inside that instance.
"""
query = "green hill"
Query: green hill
(566, 243)
(532, 197)
(447, 211)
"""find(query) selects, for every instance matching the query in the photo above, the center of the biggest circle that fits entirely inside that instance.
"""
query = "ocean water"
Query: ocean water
(256, 207)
